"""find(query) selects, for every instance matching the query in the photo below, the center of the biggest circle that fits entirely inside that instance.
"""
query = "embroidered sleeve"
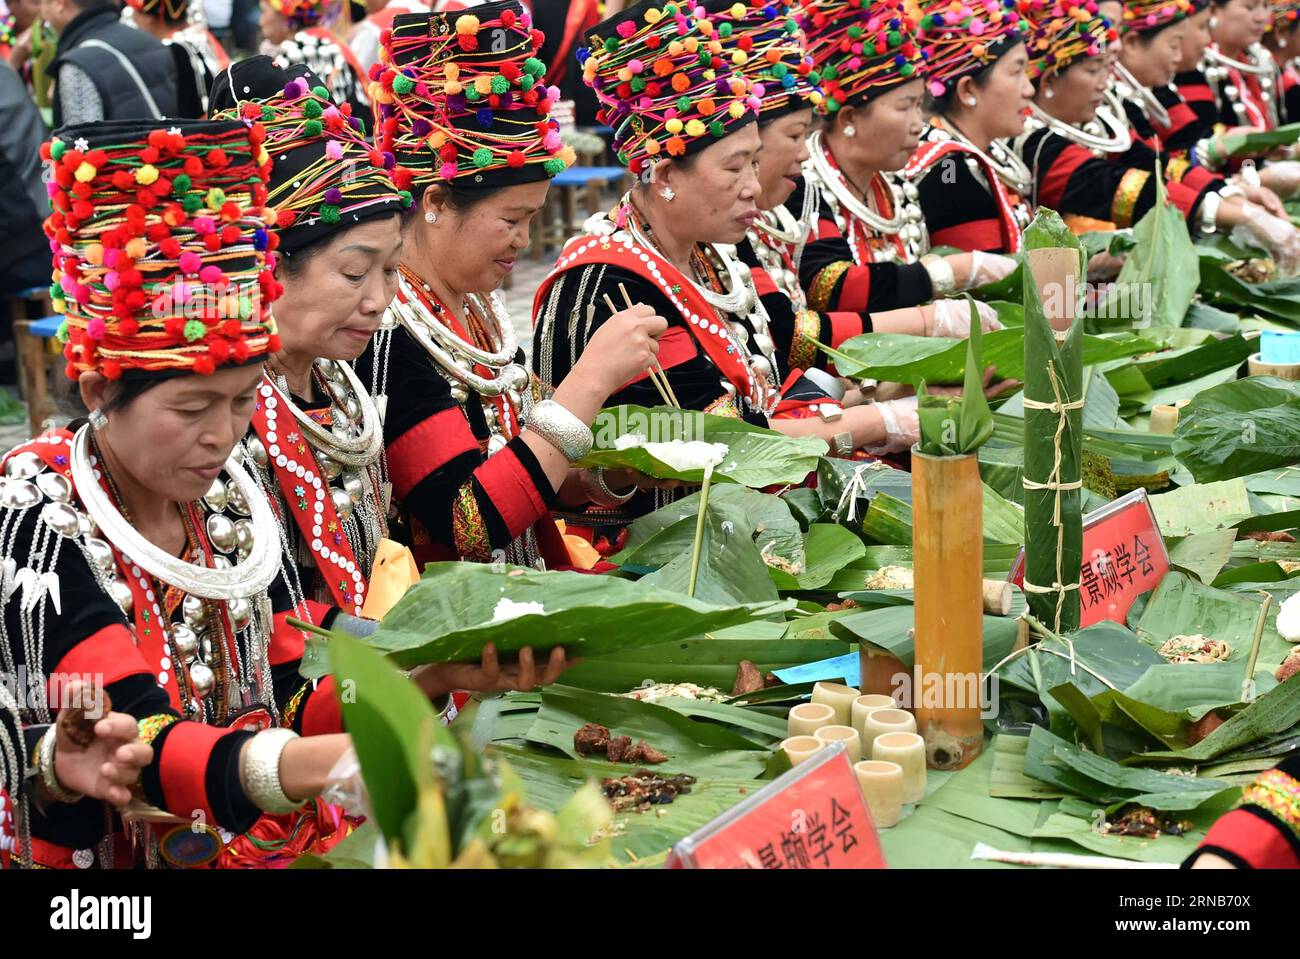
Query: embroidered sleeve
(79, 100)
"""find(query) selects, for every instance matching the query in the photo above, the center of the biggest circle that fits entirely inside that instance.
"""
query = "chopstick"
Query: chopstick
(654, 365)
(664, 390)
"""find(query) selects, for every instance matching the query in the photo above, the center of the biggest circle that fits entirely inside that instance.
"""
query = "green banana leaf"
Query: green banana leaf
(827, 549)
(1203, 554)
(1253, 144)
(1180, 366)
(1276, 301)
(1076, 822)
(1283, 481)
(1182, 606)
(1194, 689)
(998, 560)
(890, 628)
(1170, 395)
(1275, 712)
(889, 520)
(899, 358)
(1240, 428)
(448, 615)
(756, 457)
(1201, 507)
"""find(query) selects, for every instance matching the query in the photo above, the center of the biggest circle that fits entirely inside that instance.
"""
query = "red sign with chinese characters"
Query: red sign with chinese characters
(1123, 556)
(813, 817)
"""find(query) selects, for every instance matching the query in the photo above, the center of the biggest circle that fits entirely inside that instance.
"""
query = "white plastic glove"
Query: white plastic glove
(952, 318)
(989, 268)
(1281, 176)
(902, 425)
(1275, 235)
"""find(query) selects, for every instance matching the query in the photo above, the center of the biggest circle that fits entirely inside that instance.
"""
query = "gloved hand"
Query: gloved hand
(1275, 235)
(902, 425)
(989, 268)
(952, 318)
(1281, 176)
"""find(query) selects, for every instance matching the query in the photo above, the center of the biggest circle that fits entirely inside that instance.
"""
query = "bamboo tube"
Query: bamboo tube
(997, 597)
(947, 556)
(880, 671)
(1164, 420)
(1284, 371)
(1053, 437)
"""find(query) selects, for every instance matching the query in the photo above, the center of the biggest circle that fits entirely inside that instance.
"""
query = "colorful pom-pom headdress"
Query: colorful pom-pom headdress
(308, 13)
(169, 11)
(665, 81)
(765, 41)
(325, 176)
(962, 37)
(862, 48)
(159, 233)
(1285, 14)
(1063, 32)
(1146, 16)
(461, 98)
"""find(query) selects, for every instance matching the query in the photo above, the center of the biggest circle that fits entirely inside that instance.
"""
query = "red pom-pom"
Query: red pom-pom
(158, 232)
(149, 154)
(510, 71)
(217, 159)
(447, 153)
(129, 327)
(467, 42)
(231, 235)
(285, 218)
(653, 89)
(508, 18)
(376, 158)
(494, 101)
(390, 129)
(652, 42)
(531, 97)
(219, 350)
(746, 42)
(635, 166)
(256, 134)
(515, 159)
(45, 150)
(82, 210)
(273, 343)
(111, 369)
(250, 111)
(97, 158)
(158, 138)
(623, 91)
(173, 326)
(146, 198)
(204, 365)
(82, 191)
(135, 300)
(123, 181)
(230, 328)
(193, 167)
(213, 242)
(70, 371)
(402, 177)
(544, 107)
(230, 211)
(539, 38)
(239, 351)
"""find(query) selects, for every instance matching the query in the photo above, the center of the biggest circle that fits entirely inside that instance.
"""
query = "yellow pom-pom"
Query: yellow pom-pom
(675, 48)
(379, 95)
(483, 85)
(673, 126)
(625, 75)
(568, 155)
(136, 248)
(451, 71)
(691, 44)
(262, 156)
(706, 27)
(436, 139)
(652, 147)
(85, 173)
(452, 89)
(146, 174)
(738, 11)
(714, 46)
(739, 58)
(737, 110)
(653, 15)
(94, 254)
(59, 304)
(695, 129)
(739, 87)
(467, 24)
(710, 75)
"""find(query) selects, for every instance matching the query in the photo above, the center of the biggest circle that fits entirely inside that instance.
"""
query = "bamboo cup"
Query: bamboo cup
(947, 555)
(1285, 371)
(865, 704)
(838, 697)
(908, 750)
(1164, 420)
(847, 735)
(887, 720)
(882, 787)
(996, 594)
(806, 718)
(799, 748)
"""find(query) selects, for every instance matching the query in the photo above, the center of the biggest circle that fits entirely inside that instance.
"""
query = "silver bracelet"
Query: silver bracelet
(260, 771)
(1210, 213)
(48, 776)
(942, 278)
(568, 434)
(598, 490)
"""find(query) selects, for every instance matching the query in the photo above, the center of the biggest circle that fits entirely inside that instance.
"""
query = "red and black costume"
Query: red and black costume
(1264, 831)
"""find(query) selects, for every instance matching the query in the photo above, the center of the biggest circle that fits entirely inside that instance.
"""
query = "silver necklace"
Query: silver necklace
(1116, 139)
(1218, 67)
(834, 181)
(1130, 88)
(367, 445)
(738, 299)
(250, 575)
(1008, 165)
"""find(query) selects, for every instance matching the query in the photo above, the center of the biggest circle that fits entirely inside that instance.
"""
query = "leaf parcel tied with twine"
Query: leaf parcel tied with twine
(957, 425)
(1053, 476)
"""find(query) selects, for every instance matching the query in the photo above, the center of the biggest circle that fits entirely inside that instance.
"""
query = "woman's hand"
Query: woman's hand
(952, 318)
(109, 764)
(622, 348)
(622, 480)
(1268, 198)
(1104, 267)
(978, 268)
(490, 676)
(992, 390)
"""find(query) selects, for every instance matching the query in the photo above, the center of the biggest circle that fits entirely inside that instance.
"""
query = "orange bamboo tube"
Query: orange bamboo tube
(948, 559)
(881, 671)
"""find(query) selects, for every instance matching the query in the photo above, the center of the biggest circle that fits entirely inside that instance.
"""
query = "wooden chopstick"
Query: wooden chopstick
(667, 385)
(649, 372)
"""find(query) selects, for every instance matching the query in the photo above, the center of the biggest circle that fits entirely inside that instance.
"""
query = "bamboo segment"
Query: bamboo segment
(1284, 371)
(997, 597)
(1164, 420)
(947, 556)
(1053, 476)
(880, 671)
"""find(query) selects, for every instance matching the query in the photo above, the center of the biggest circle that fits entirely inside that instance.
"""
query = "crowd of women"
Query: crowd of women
(282, 323)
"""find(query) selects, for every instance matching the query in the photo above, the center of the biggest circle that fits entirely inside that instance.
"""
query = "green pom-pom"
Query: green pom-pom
(535, 67)
(895, 39)
(324, 94)
(192, 203)
(57, 149)
(472, 94)
(526, 82)
(906, 70)
(717, 129)
(815, 78)
(683, 104)
(329, 213)
(361, 129)
(245, 307)
(313, 128)
(195, 330)
(855, 32)
(181, 184)
(482, 157)
(500, 85)
(611, 44)
(312, 109)
(406, 198)
(268, 114)
(553, 166)
(791, 26)
(403, 84)
(779, 70)
(724, 30)
(705, 58)
(638, 85)
(56, 291)
(832, 104)
(830, 72)
(62, 334)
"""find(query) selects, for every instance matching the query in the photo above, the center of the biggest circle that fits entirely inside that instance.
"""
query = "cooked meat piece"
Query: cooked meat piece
(748, 679)
(618, 748)
(591, 738)
(643, 752)
(1263, 536)
(79, 727)
(1289, 668)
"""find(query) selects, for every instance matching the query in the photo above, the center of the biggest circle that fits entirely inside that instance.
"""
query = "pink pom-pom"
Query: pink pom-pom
(95, 329)
(977, 28)
(759, 90)
(82, 293)
(448, 171)
(111, 280)
(670, 113)
(203, 225)
(211, 274)
(553, 94)
(69, 285)
(181, 292)
(626, 29)
(52, 189)
(854, 63)
(937, 88)
(552, 142)
(331, 113)
(190, 262)
(334, 150)
(110, 257)
(636, 66)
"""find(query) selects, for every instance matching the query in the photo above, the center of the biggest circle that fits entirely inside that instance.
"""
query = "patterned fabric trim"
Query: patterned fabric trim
(1278, 794)
(803, 348)
(1126, 197)
(469, 531)
(823, 285)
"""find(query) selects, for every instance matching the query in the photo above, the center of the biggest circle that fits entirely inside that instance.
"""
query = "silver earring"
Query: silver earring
(430, 217)
(970, 101)
(668, 193)
(97, 419)
(1047, 93)
(850, 130)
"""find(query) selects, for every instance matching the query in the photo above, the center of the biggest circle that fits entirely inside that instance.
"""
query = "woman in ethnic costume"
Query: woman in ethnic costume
(476, 457)
(110, 526)
(1283, 41)
(972, 187)
(1263, 832)
(302, 31)
(864, 230)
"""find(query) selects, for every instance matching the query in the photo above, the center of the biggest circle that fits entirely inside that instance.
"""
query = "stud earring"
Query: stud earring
(850, 130)
(1047, 93)
(431, 217)
(970, 101)
(97, 419)
(668, 193)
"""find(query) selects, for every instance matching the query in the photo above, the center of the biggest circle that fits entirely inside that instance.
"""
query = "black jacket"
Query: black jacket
(23, 201)
(133, 71)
